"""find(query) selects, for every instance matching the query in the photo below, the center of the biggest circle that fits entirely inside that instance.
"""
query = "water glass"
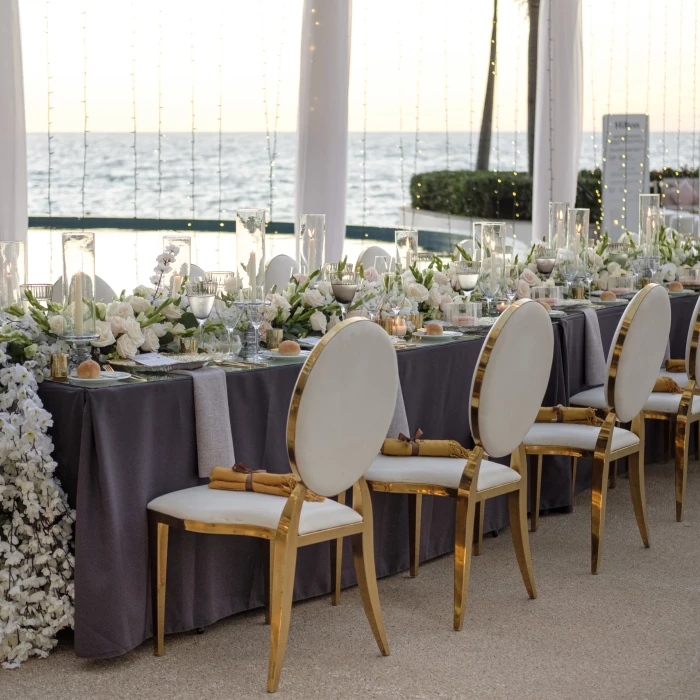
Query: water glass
(510, 282)
(467, 276)
(489, 280)
(460, 313)
(568, 266)
(255, 311)
(201, 296)
(344, 284)
(221, 277)
(372, 296)
(229, 313)
(395, 294)
(545, 258)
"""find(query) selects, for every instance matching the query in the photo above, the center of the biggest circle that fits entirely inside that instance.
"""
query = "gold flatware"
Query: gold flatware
(109, 368)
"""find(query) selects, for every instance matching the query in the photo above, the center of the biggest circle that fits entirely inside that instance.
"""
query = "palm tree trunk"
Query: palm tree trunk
(534, 12)
(482, 158)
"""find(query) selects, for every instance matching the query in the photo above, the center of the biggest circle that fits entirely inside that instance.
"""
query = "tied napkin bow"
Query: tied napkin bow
(240, 477)
(568, 414)
(413, 442)
(404, 446)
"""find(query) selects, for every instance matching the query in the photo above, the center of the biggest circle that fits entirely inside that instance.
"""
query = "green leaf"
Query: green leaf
(188, 320)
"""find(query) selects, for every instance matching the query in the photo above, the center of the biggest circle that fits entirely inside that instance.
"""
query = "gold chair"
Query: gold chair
(507, 389)
(681, 409)
(333, 434)
(633, 364)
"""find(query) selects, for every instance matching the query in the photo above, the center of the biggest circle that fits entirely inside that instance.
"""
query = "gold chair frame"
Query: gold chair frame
(470, 502)
(602, 455)
(284, 541)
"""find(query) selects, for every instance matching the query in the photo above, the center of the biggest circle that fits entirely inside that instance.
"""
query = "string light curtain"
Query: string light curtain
(559, 110)
(13, 144)
(322, 132)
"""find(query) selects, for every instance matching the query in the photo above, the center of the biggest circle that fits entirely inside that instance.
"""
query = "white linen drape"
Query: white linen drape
(322, 129)
(559, 116)
(13, 139)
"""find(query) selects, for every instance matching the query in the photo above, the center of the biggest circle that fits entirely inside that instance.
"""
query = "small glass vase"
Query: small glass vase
(250, 251)
(406, 247)
(14, 272)
(174, 280)
(558, 213)
(649, 221)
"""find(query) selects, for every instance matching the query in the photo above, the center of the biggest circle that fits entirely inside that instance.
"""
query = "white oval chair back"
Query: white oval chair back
(511, 377)
(103, 292)
(342, 406)
(637, 351)
(692, 356)
(369, 255)
(278, 272)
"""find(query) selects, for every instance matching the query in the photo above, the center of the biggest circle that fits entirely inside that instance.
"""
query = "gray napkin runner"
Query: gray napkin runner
(399, 423)
(211, 417)
(596, 367)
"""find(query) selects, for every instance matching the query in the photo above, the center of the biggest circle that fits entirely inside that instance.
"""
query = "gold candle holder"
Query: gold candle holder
(273, 338)
(189, 345)
(59, 366)
(388, 325)
(578, 293)
(417, 321)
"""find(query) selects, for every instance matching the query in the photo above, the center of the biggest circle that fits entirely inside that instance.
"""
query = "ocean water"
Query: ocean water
(119, 180)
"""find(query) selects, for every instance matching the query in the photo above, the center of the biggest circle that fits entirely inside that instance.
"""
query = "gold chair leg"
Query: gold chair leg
(599, 494)
(535, 489)
(479, 527)
(363, 557)
(667, 438)
(464, 536)
(337, 562)
(415, 512)
(284, 558)
(268, 558)
(612, 474)
(573, 481)
(158, 545)
(682, 439)
(635, 463)
(517, 513)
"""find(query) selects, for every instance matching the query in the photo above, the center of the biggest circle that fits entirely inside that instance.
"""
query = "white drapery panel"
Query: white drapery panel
(559, 115)
(13, 139)
(322, 129)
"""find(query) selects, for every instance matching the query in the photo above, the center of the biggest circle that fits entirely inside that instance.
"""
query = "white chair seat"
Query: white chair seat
(437, 471)
(582, 437)
(657, 401)
(207, 505)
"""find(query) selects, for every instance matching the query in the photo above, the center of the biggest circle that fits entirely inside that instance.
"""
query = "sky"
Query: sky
(420, 62)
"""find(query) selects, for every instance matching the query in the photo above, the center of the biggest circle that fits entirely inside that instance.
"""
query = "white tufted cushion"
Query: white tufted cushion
(681, 378)
(278, 272)
(689, 340)
(346, 406)
(368, 256)
(668, 403)
(582, 437)
(437, 471)
(595, 398)
(642, 351)
(207, 505)
(515, 379)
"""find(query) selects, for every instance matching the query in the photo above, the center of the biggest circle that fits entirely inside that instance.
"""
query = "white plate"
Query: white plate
(556, 313)
(105, 379)
(275, 357)
(617, 302)
(446, 335)
(682, 293)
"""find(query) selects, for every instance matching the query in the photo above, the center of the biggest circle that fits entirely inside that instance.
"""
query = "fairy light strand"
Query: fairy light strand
(608, 135)
(679, 207)
(498, 127)
(85, 116)
(192, 132)
(271, 140)
(663, 135)
(596, 163)
(627, 129)
(447, 107)
(419, 67)
(365, 59)
(695, 107)
(160, 109)
(514, 181)
(402, 176)
(49, 138)
(220, 144)
(551, 116)
(133, 99)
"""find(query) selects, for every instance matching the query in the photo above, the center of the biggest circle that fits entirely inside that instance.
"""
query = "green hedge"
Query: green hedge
(489, 195)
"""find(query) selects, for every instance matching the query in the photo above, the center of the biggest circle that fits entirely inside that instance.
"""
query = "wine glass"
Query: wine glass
(395, 295)
(255, 311)
(201, 295)
(489, 281)
(372, 296)
(467, 276)
(545, 259)
(229, 313)
(382, 264)
(344, 284)
(588, 265)
(510, 282)
(220, 277)
(567, 264)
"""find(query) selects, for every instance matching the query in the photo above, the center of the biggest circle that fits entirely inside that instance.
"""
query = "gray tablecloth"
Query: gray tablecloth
(119, 447)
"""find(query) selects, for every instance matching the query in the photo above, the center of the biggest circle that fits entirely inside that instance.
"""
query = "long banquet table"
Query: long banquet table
(119, 447)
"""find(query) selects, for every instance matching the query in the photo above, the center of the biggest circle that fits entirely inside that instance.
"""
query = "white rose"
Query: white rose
(440, 278)
(119, 308)
(371, 274)
(532, 267)
(231, 285)
(126, 347)
(132, 328)
(530, 277)
(172, 312)
(334, 320)
(117, 324)
(139, 304)
(408, 278)
(300, 278)
(603, 280)
(668, 272)
(434, 298)
(57, 324)
(143, 291)
(159, 329)
(614, 269)
(178, 329)
(325, 288)
(151, 342)
(418, 292)
(313, 298)
(318, 321)
(106, 336)
(523, 289)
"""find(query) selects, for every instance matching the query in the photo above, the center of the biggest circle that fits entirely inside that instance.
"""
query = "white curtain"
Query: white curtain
(559, 109)
(13, 140)
(322, 129)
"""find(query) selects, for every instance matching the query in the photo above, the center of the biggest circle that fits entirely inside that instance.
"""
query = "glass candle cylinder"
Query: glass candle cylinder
(79, 285)
(174, 280)
(250, 251)
(311, 242)
(577, 230)
(493, 238)
(14, 272)
(476, 241)
(557, 224)
(406, 247)
(649, 220)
